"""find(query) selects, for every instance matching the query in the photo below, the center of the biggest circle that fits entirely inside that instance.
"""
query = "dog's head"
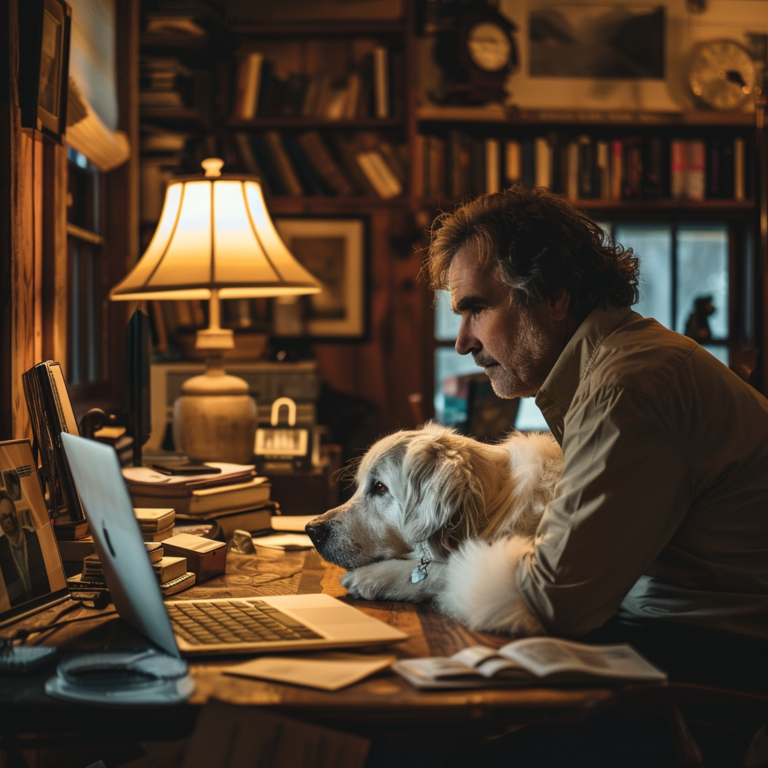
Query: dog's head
(412, 486)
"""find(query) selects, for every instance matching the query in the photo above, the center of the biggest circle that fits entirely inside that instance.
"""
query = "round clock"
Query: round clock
(489, 46)
(721, 74)
(476, 53)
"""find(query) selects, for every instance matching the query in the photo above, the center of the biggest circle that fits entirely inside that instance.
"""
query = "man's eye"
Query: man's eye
(379, 488)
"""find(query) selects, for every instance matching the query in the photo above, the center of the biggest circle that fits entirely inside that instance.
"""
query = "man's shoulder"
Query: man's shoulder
(641, 356)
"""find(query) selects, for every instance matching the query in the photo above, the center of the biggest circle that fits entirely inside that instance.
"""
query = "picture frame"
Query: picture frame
(45, 30)
(31, 572)
(334, 250)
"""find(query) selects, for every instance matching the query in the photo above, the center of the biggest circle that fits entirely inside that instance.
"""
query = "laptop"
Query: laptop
(199, 627)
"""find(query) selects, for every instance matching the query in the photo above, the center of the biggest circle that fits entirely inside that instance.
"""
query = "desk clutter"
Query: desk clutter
(171, 573)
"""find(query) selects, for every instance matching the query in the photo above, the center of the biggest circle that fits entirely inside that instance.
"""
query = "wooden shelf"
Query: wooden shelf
(496, 113)
(320, 28)
(394, 123)
(287, 204)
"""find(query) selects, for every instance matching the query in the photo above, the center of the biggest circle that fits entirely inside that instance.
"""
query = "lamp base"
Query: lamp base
(215, 418)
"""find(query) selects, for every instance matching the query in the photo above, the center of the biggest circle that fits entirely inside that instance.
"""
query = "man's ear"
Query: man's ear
(559, 304)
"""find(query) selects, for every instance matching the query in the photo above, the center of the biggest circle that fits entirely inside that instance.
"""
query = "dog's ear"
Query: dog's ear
(442, 493)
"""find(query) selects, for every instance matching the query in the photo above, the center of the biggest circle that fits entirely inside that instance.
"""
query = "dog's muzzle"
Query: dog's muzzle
(317, 532)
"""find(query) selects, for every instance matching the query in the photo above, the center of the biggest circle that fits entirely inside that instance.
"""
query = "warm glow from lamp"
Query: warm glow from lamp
(215, 240)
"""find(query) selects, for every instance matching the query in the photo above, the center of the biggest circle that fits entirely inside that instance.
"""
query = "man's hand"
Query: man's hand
(391, 580)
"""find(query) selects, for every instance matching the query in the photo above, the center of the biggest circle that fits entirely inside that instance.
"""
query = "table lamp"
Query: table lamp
(215, 240)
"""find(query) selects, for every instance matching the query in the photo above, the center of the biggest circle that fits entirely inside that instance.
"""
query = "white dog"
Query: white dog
(442, 517)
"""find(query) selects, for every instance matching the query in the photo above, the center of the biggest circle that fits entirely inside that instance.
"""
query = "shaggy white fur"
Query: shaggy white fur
(470, 508)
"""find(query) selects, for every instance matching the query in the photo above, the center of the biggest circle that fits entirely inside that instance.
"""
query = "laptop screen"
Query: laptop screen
(117, 538)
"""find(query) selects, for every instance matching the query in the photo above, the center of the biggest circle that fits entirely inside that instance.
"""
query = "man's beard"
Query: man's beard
(522, 364)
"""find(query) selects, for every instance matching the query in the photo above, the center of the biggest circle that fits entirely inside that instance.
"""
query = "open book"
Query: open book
(531, 662)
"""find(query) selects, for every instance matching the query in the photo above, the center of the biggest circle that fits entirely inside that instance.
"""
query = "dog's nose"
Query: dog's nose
(317, 532)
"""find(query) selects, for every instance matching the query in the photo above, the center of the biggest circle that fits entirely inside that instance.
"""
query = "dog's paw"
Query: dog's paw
(389, 580)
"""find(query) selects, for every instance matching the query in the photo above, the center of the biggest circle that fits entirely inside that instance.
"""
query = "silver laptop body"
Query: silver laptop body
(136, 594)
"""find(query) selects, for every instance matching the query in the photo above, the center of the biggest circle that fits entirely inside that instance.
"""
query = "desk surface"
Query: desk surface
(382, 702)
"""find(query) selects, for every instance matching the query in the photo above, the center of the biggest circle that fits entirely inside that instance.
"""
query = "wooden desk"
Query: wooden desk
(378, 707)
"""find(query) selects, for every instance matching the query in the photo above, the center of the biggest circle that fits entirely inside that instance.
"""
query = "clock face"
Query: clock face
(489, 46)
(721, 74)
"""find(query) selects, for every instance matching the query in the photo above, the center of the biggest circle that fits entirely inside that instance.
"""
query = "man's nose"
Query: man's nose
(466, 342)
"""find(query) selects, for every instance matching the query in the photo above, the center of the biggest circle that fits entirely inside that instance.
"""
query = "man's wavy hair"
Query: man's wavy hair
(539, 245)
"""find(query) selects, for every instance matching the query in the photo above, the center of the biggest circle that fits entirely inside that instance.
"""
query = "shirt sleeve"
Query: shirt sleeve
(625, 488)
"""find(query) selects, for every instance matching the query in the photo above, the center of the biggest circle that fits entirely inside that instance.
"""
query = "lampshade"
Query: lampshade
(215, 235)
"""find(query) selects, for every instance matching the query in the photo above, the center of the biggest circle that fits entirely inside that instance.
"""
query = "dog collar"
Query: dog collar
(419, 573)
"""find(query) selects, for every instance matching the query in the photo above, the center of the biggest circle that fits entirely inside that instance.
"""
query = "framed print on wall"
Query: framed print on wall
(334, 251)
(45, 27)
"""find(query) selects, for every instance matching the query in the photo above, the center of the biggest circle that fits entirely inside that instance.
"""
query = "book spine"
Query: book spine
(572, 172)
(543, 162)
(283, 164)
(513, 162)
(381, 81)
(321, 160)
(492, 166)
(617, 169)
(695, 180)
(678, 168)
(528, 163)
(603, 170)
(739, 187)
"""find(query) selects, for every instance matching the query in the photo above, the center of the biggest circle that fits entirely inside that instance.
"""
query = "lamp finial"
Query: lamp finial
(212, 167)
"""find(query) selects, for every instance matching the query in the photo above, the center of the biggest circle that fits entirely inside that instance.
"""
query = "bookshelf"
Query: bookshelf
(396, 359)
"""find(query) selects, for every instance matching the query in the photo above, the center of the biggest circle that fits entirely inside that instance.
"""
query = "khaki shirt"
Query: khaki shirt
(662, 507)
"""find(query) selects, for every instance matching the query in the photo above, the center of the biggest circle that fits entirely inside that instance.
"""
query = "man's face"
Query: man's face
(8, 518)
(516, 346)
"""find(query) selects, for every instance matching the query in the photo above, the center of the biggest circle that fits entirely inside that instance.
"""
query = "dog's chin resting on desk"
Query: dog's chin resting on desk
(441, 517)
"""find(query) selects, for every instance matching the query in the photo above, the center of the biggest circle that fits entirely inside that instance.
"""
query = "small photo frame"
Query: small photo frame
(45, 29)
(334, 251)
(31, 573)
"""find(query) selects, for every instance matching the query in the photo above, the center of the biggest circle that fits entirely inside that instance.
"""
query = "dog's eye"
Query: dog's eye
(378, 488)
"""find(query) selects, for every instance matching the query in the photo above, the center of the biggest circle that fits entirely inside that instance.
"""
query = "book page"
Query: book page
(545, 656)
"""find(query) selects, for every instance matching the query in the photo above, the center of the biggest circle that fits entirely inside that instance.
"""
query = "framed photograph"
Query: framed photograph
(31, 573)
(334, 251)
(597, 41)
(45, 27)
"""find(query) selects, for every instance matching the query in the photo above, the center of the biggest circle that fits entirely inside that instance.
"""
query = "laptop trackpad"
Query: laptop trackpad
(326, 616)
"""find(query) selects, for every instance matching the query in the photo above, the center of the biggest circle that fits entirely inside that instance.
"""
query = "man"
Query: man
(21, 558)
(658, 532)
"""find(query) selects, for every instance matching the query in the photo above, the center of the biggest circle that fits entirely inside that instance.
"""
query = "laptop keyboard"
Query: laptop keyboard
(235, 621)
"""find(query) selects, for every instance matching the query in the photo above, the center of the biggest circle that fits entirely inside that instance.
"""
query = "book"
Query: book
(492, 166)
(543, 162)
(323, 163)
(379, 174)
(617, 169)
(513, 171)
(156, 482)
(678, 168)
(163, 533)
(151, 520)
(155, 550)
(247, 89)
(169, 567)
(381, 82)
(205, 500)
(288, 177)
(77, 550)
(739, 187)
(50, 412)
(531, 662)
(696, 172)
(179, 584)
(252, 519)
(72, 531)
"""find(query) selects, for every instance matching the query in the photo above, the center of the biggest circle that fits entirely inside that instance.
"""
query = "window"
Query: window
(679, 264)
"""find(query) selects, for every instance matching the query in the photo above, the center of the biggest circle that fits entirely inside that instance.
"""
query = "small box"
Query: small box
(205, 557)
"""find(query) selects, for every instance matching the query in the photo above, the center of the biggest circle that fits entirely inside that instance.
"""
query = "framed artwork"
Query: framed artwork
(334, 251)
(31, 573)
(45, 27)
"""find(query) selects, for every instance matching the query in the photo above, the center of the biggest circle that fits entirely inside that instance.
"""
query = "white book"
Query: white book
(248, 83)
(492, 166)
(531, 662)
(379, 174)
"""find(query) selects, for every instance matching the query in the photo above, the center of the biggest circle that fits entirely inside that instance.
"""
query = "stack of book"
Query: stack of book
(171, 572)
(155, 524)
(234, 498)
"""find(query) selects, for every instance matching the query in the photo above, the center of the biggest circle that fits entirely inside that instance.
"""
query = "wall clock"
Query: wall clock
(721, 74)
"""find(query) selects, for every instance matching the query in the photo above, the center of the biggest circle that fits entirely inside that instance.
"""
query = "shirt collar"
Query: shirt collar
(555, 396)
